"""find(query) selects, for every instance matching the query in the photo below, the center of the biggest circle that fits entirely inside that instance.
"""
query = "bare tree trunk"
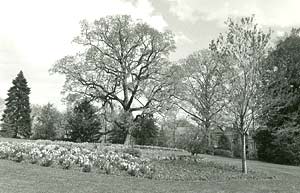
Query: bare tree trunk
(244, 164)
(207, 128)
(130, 125)
(127, 139)
(174, 136)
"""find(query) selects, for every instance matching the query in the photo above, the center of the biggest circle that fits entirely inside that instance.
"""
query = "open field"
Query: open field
(25, 177)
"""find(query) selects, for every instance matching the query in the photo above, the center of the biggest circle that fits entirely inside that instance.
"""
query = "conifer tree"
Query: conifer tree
(146, 132)
(84, 125)
(16, 117)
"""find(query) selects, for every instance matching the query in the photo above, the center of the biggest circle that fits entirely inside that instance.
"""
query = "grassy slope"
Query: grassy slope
(21, 177)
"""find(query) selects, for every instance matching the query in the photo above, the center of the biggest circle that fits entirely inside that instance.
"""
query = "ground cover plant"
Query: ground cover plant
(85, 157)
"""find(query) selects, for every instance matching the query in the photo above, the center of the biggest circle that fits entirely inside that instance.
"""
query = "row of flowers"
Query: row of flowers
(71, 155)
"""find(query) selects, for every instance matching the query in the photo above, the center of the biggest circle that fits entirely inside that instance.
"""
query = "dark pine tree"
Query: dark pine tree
(84, 125)
(146, 132)
(16, 117)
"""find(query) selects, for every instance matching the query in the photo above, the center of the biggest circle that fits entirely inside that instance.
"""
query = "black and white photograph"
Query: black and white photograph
(149, 96)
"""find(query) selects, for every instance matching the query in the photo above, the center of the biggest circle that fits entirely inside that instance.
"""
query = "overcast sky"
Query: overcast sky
(34, 33)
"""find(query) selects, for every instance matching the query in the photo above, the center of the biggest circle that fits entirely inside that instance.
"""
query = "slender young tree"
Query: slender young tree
(16, 117)
(243, 48)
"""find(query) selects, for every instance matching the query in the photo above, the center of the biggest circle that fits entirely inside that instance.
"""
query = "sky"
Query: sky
(34, 33)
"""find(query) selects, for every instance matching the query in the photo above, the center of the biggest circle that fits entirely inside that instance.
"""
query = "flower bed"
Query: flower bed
(86, 157)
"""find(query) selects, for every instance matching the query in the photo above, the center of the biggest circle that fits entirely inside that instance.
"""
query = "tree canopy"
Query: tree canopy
(47, 122)
(201, 91)
(278, 138)
(122, 61)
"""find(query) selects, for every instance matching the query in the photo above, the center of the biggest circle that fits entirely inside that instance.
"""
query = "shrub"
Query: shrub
(66, 164)
(46, 162)
(279, 146)
(199, 147)
(224, 153)
(237, 147)
(224, 142)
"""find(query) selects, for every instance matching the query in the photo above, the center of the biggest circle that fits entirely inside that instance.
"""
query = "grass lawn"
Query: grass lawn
(25, 177)
(22, 177)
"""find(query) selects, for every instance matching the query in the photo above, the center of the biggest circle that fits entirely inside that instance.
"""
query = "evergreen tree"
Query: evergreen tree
(16, 118)
(146, 131)
(84, 125)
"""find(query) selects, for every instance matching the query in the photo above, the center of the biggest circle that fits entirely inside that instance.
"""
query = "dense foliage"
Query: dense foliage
(83, 124)
(224, 142)
(145, 132)
(46, 123)
(16, 117)
(120, 126)
(278, 139)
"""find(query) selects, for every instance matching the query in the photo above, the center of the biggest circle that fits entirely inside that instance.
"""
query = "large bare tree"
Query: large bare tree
(201, 89)
(243, 47)
(122, 62)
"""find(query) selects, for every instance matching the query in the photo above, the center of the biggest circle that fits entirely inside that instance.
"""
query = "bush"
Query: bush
(46, 162)
(279, 146)
(237, 147)
(224, 142)
(224, 153)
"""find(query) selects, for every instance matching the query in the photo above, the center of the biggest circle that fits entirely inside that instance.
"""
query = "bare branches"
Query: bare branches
(120, 61)
(201, 89)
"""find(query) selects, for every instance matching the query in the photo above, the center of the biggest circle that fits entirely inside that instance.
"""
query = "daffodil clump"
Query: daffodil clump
(68, 155)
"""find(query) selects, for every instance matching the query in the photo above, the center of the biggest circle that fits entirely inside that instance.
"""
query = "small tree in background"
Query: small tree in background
(16, 117)
(224, 142)
(83, 124)
(146, 131)
(162, 138)
(47, 122)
